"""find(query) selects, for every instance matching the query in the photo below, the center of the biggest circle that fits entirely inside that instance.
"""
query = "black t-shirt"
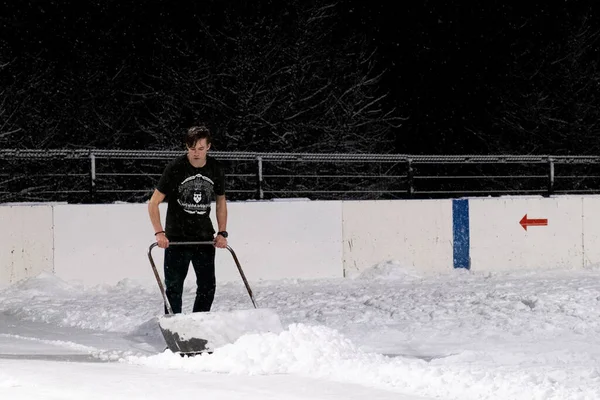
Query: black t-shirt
(189, 192)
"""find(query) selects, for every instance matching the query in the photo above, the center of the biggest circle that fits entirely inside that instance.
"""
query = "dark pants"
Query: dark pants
(177, 262)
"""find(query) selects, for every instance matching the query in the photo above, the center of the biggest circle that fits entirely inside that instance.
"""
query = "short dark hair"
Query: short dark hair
(196, 133)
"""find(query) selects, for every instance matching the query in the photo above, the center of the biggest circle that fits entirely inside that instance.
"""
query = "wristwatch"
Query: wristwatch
(223, 233)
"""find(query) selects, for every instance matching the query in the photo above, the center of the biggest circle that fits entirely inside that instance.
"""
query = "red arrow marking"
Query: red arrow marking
(532, 222)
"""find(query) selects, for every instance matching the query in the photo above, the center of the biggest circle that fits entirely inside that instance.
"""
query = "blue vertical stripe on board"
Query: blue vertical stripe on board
(461, 235)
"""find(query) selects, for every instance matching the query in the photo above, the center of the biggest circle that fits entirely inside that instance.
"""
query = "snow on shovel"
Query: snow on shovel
(191, 334)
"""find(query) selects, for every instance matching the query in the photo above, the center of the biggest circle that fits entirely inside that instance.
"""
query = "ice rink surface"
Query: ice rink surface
(389, 333)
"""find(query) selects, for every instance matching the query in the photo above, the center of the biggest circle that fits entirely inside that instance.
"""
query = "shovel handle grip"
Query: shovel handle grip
(161, 286)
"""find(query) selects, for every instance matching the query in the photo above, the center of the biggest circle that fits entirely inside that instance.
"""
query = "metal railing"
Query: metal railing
(130, 175)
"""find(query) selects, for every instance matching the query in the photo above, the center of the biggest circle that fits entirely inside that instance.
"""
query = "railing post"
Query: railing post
(550, 176)
(259, 178)
(92, 177)
(410, 178)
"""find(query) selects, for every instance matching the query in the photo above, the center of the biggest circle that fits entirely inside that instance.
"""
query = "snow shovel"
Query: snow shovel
(201, 332)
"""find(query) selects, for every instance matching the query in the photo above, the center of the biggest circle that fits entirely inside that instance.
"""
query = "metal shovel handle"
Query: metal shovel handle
(162, 287)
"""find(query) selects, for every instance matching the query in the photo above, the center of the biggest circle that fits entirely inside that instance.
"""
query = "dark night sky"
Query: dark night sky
(444, 59)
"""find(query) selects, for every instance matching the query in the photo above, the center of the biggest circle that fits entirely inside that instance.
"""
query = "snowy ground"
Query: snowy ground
(388, 334)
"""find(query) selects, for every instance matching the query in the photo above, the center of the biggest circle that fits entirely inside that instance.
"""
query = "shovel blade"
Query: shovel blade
(205, 331)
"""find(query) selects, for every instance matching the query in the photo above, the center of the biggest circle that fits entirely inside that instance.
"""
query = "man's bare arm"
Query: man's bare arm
(154, 211)
(221, 213)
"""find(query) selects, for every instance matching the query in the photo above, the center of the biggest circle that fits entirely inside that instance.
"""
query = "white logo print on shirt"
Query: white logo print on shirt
(194, 194)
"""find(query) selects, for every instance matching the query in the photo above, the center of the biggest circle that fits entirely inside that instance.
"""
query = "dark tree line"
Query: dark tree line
(295, 76)
(542, 97)
(552, 104)
(118, 75)
(299, 76)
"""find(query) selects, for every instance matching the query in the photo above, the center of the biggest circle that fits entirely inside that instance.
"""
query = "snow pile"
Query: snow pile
(46, 298)
(323, 353)
(298, 349)
(460, 335)
(390, 270)
(7, 381)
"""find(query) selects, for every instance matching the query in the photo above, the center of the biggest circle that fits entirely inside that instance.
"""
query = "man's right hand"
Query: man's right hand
(162, 240)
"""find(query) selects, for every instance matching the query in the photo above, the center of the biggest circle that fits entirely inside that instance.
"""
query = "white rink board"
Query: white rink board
(416, 233)
(102, 243)
(26, 242)
(591, 231)
(108, 243)
(281, 239)
(96, 244)
(499, 242)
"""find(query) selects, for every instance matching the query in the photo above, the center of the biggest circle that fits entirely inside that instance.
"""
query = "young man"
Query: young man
(189, 183)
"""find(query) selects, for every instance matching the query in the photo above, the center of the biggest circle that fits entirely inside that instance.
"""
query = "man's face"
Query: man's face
(198, 152)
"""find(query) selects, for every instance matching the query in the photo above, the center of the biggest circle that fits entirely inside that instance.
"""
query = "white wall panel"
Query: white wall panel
(273, 240)
(416, 233)
(96, 244)
(102, 243)
(591, 231)
(25, 242)
(499, 241)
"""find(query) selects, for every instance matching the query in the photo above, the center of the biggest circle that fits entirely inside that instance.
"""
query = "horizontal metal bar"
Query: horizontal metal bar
(253, 191)
(578, 191)
(35, 192)
(253, 175)
(150, 190)
(467, 192)
(480, 176)
(150, 174)
(37, 176)
(293, 157)
(334, 191)
(334, 176)
(576, 176)
(131, 174)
